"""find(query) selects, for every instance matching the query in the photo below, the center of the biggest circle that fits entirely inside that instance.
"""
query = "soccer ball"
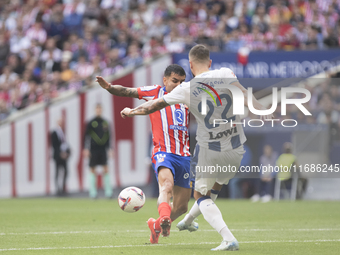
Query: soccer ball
(131, 199)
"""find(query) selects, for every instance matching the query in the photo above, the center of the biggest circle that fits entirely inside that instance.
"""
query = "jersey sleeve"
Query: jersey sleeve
(148, 92)
(176, 96)
(228, 73)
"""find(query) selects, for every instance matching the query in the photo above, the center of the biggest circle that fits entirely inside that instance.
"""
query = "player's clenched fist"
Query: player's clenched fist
(126, 112)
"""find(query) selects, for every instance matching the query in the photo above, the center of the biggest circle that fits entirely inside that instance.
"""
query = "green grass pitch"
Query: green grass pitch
(82, 226)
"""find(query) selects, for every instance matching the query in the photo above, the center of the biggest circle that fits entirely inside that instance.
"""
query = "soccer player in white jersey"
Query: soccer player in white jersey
(224, 150)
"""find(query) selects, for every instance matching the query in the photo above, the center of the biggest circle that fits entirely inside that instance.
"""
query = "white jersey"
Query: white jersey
(217, 137)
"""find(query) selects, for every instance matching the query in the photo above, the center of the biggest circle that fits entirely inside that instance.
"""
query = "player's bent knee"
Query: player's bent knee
(166, 186)
(197, 195)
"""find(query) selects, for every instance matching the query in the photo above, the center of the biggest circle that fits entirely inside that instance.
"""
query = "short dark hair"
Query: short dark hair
(287, 147)
(199, 53)
(174, 68)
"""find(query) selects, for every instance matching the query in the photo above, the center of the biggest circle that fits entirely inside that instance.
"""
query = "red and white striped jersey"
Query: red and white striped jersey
(170, 126)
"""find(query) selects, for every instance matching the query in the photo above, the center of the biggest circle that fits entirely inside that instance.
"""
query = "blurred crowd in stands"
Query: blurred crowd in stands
(49, 46)
(324, 106)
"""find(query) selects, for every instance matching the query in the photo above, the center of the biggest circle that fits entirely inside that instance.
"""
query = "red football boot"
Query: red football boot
(154, 233)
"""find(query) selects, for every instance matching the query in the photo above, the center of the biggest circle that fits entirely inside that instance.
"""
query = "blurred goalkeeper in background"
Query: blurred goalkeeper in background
(170, 155)
(97, 144)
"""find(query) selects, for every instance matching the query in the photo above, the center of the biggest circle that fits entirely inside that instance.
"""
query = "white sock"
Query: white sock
(226, 234)
(193, 213)
(212, 214)
(195, 210)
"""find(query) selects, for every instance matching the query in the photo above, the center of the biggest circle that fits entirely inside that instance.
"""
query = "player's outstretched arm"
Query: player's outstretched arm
(144, 109)
(257, 105)
(117, 90)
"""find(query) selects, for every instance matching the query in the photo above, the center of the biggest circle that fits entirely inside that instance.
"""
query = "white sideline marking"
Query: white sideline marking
(57, 233)
(155, 245)
(175, 230)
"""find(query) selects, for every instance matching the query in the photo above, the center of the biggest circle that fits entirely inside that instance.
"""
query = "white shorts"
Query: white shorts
(216, 166)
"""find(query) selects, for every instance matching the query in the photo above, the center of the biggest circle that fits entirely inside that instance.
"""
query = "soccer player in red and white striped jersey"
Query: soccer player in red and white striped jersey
(170, 155)
(169, 126)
